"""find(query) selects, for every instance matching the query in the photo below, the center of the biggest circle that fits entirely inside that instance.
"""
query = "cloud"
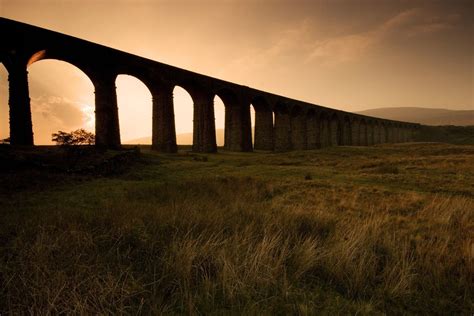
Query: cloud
(409, 23)
(59, 110)
(290, 43)
(52, 113)
(341, 49)
(298, 42)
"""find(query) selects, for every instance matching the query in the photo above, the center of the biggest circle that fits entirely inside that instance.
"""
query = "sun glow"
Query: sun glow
(88, 113)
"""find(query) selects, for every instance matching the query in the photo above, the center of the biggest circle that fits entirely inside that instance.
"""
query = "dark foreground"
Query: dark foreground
(385, 229)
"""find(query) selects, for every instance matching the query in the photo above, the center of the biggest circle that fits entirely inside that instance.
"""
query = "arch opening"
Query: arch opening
(383, 133)
(376, 132)
(134, 101)
(183, 114)
(298, 128)
(282, 128)
(363, 133)
(312, 130)
(263, 121)
(253, 115)
(52, 111)
(4, 110)
(334, 131)
(221, 118)
(355, 125)
(324, 130)
(347, 132)
(237, 121)
(370, 133)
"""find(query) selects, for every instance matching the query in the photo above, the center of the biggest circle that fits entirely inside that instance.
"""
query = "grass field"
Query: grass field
(383, 229)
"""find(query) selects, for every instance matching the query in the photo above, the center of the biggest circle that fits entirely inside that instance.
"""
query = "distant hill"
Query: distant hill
(181, 139)
(426, 116)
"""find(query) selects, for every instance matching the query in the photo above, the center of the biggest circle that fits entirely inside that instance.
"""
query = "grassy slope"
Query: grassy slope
(340, 230)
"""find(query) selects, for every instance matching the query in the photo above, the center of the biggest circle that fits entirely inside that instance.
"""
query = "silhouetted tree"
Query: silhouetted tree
(73, 145)
(77, 137)
(5, 140)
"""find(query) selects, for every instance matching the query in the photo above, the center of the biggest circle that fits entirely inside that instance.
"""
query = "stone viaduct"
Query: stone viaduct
(281, 123)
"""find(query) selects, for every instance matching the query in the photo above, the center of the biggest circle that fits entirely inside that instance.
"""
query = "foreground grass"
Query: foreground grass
(387, 229)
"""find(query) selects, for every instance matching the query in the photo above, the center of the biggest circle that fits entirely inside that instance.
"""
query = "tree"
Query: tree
(77, 137)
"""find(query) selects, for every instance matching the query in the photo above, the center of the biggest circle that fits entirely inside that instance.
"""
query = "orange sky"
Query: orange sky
(350, 55)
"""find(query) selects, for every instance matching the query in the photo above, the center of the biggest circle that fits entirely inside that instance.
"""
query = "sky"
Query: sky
(344, 54)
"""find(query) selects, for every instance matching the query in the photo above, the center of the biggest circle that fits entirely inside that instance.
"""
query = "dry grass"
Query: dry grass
(177, 238)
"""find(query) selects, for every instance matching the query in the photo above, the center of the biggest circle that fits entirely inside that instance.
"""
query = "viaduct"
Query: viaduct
(281, 123)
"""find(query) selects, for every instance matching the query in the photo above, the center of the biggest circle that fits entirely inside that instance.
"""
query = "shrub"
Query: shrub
(77, 137)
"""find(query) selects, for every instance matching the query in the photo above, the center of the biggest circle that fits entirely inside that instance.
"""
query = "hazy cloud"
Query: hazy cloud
(53, 113)
(337, 53)
(290, 43)
(59, 110)
(298, 42)
(350, 47)
(341, 49)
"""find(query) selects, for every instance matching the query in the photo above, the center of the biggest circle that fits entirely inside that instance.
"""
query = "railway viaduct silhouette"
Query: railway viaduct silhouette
(281, 123)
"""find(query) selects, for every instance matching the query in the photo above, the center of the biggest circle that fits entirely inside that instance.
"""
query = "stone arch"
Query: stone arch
(363, 132)
(390, 132)
(52, 54)
(238, 129)
(346, 131)
(355, 131)
(407, 133)
(135, 104)
(395, 132)
(325, 129)
(334, 130)
(377, 137)
(399, 133)
(298, 128)
(107, 131)
(370, 132)
(183, 107)
(282, 127)
(263, 135)
(393, 128)
(312, 130)
(21, 127)
(4, 111)
(52, 109)
(384, 132)
(204, 130)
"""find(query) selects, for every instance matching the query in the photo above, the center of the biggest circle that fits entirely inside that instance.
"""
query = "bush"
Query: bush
(77, 137)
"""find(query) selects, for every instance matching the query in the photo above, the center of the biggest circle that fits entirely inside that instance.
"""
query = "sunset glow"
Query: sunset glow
(337, 54)
(237, 157)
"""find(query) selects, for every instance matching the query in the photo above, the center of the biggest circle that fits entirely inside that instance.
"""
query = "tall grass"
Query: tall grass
(237, 244)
